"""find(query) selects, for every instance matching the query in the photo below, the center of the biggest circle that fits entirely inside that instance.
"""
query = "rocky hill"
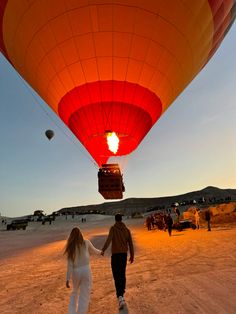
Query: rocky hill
(205, 197)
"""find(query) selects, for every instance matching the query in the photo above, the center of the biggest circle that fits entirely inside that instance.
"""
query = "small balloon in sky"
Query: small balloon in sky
(49, 134)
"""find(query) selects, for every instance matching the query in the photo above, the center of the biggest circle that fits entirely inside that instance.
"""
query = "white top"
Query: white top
(82, 257)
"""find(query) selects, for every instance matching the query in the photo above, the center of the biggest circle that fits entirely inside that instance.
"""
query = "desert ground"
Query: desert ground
(193, 271)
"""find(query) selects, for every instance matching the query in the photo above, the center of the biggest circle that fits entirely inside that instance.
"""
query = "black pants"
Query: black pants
(118, 266)
(169, 229)
(209, 225)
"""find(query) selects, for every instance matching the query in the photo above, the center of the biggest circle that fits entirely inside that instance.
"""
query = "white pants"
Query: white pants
(80, 295)
(197, 222)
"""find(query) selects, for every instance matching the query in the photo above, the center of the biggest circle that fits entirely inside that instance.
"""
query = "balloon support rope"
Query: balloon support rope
(53, 120)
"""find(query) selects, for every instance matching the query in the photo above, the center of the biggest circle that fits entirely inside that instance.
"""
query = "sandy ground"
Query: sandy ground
(194, 271)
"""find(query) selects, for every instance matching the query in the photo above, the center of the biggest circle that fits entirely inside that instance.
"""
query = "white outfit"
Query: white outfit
(81, 278)
(197, 219)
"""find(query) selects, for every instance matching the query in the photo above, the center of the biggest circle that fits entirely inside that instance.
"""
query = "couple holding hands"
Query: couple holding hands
(78, 252)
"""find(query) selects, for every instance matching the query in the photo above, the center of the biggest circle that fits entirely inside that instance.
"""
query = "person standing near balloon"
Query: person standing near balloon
(78, 252)
(197, 219)
(121, 239)
(208, 219)
(177, 213)
(169, 223)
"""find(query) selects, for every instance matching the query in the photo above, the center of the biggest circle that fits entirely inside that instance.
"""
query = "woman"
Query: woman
(78, 253)
(197, 219)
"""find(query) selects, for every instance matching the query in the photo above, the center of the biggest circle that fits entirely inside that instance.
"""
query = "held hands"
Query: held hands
(67, 284)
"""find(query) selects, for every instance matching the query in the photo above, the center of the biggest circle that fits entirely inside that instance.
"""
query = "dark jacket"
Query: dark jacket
(120, 237)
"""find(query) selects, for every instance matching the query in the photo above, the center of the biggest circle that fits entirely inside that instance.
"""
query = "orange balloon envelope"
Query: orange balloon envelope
(109, 69)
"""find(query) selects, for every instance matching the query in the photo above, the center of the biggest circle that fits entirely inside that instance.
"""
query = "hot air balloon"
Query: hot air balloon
(110, 69)
(49, 134)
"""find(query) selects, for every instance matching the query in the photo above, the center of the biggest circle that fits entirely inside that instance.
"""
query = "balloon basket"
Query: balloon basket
(110, 182)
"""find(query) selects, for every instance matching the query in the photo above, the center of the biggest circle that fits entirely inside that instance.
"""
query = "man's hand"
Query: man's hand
(131, 259)
(102, 253)
(67, 284)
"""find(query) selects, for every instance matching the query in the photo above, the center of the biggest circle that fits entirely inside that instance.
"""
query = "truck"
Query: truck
(17, 224)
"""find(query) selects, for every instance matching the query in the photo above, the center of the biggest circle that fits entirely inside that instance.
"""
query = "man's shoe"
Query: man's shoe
(121, 302)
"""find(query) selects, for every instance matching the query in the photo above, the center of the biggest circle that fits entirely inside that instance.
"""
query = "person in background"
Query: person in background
(153, 221)
(197, 219)
(148, 223)
(177, 212)
(169, 223)
(78, 252)
(164, 222)
(120, 237)
(208, 219)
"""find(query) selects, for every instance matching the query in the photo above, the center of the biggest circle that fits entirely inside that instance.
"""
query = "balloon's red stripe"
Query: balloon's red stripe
(222, 17)
(110, 91)
(128, 109)
(3, 4)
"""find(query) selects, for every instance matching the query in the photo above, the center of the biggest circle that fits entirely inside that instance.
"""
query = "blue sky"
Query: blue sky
(193, 145)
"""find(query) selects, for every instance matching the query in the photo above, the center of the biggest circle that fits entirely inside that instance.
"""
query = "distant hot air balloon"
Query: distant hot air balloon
(112, 65)
(49, 134)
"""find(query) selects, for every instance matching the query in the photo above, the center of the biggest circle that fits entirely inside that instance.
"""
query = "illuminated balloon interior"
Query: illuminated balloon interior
(113, 142)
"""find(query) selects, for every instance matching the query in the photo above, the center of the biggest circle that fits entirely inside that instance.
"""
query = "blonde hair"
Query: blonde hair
(75, 241)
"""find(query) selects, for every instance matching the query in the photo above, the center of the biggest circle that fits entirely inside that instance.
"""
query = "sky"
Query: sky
(192, 146)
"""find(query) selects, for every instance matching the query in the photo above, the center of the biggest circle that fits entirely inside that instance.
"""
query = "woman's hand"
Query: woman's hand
(67, 284)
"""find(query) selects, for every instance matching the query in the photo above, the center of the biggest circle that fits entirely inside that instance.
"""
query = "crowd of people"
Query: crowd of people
(161, 221)
(166, 220)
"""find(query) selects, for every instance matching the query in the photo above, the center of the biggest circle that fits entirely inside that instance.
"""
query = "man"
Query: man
(169, 223)
(120, 237)
(208, 219)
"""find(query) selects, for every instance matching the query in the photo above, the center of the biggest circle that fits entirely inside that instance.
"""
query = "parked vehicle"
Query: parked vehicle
(18, 224)
(184, 224)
